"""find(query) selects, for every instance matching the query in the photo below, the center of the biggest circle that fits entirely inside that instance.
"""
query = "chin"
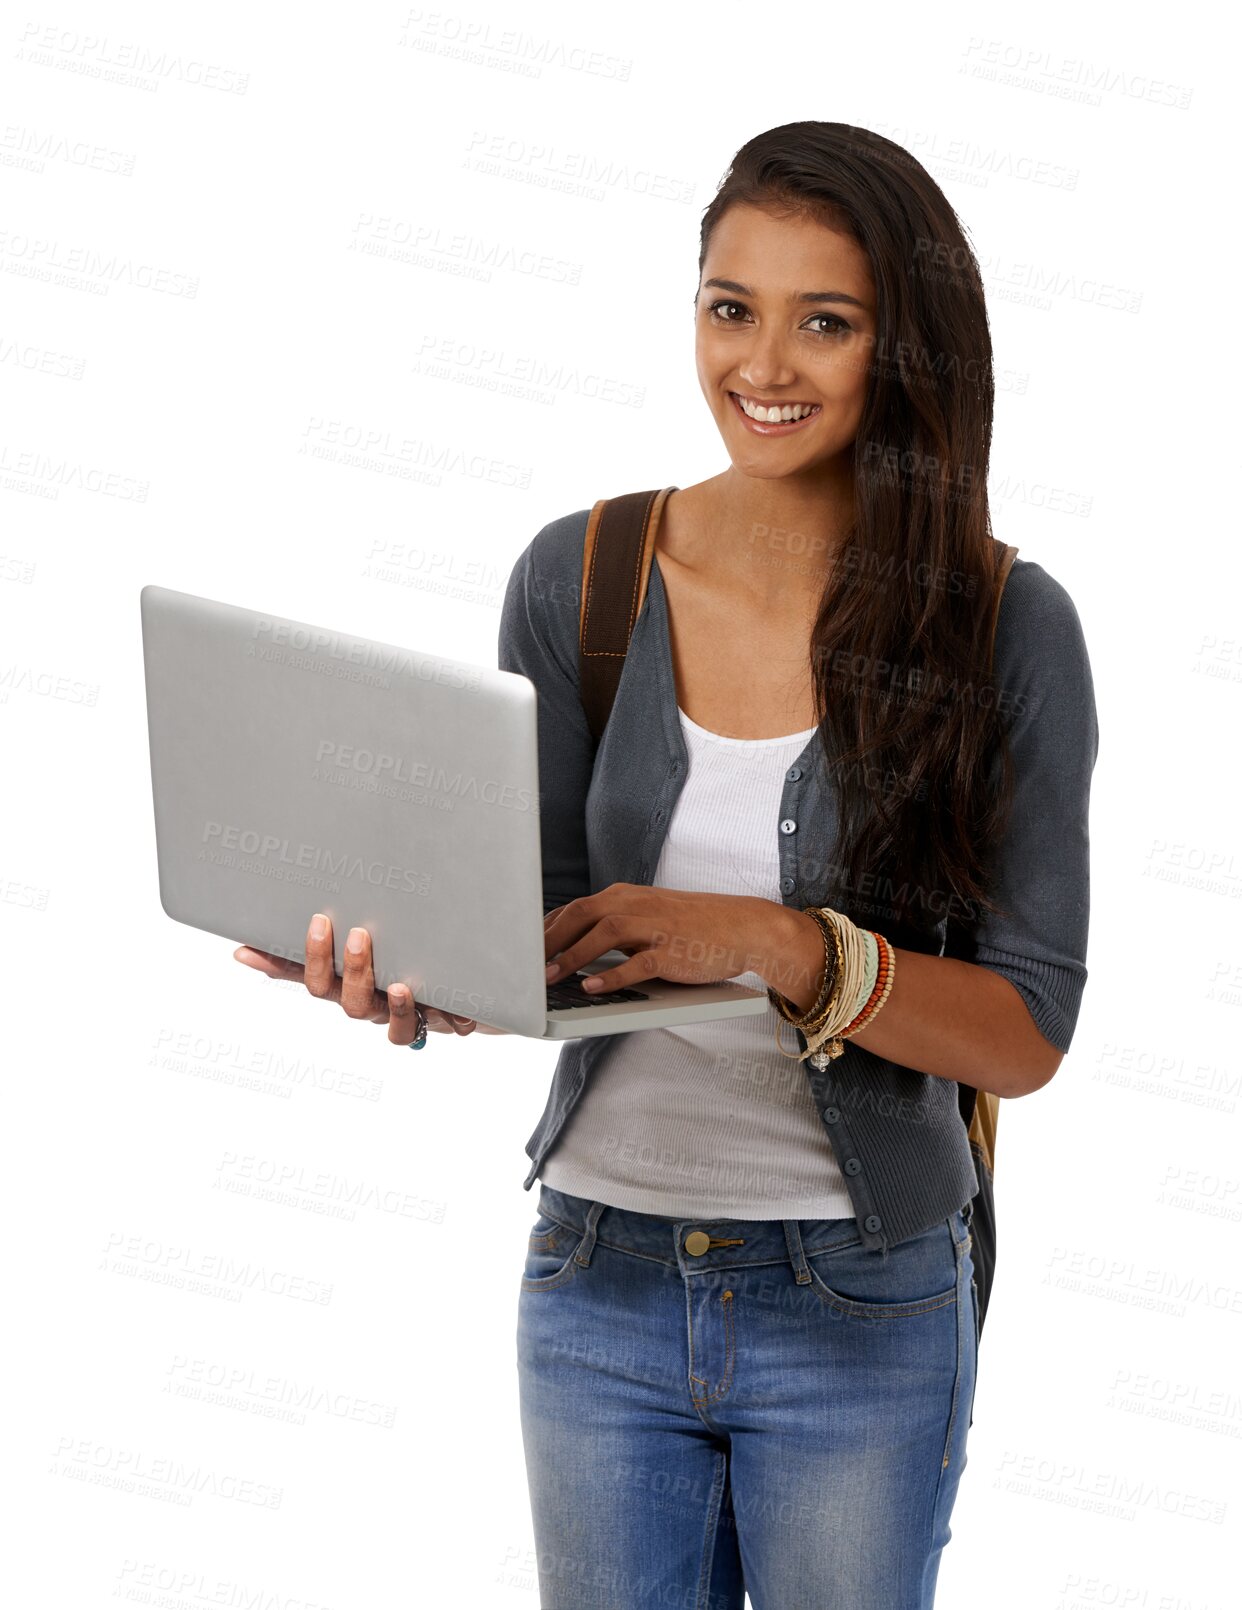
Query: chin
(763, 472)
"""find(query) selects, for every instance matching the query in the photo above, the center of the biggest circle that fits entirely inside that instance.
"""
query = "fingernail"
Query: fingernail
(552, 970)
(319, 925)
(592, 982)
(354, 942)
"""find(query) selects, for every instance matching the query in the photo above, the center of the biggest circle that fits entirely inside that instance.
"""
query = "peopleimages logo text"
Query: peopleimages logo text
(314, 640)
(272, 850)
(400, 768)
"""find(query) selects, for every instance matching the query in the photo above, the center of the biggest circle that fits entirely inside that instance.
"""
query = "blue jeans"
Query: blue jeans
(718, 1406)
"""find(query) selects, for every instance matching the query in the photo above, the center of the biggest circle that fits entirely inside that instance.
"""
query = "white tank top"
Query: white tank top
(709, 1120)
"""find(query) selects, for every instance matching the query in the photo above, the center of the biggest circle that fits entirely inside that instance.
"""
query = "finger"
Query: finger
(284, 967)
(320, 971)
(576, 916)
(263, 962)
(258, 959)
(611, 932)
(643, 966)
(403, 1017)
(567, 922)
(442, 1022)
(358, 995)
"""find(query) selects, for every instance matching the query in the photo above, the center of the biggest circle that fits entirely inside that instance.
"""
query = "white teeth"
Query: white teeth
(776, 416)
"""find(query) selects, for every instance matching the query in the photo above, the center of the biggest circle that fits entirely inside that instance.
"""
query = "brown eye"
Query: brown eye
(839, 324)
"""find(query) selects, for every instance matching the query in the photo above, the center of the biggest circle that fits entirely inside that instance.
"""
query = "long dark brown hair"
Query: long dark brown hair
(912, 723)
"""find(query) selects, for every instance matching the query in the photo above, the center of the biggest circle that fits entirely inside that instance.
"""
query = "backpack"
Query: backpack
(616, 563)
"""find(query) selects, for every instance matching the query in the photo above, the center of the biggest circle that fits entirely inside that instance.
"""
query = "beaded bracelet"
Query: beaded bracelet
(850, 994)
(854, 948)
(841, 983)
(821, 1054)
(881, 986)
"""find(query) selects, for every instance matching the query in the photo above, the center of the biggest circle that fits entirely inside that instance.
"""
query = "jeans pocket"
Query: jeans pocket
(550, 1250)
(914, 1277)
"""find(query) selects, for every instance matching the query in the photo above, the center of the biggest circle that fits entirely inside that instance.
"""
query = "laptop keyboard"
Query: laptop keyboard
(569, 992)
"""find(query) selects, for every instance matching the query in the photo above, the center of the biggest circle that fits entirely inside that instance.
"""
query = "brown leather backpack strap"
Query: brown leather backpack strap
(982, 1130)
(616, 564)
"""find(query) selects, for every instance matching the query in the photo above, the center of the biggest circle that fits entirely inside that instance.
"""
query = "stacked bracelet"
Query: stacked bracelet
(834, 963)
(857, 982)
(829, 1043)
(880, 991)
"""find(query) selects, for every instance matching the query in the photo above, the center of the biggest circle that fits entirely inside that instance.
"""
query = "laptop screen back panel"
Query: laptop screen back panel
(292, 773)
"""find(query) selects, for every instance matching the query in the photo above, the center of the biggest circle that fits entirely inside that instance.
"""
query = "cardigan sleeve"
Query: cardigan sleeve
(1042, 674)
(538, 638)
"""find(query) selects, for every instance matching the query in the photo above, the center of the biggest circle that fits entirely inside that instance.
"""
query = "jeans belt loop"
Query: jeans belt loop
(797, 1256)
(582, 1257)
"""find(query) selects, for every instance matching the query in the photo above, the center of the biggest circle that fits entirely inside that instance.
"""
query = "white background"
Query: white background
(315, 178)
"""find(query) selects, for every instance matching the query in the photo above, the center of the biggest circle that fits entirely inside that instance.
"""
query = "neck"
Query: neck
(781, 535)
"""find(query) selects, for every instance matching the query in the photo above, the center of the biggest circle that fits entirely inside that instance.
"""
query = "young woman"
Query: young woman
(748, 1319)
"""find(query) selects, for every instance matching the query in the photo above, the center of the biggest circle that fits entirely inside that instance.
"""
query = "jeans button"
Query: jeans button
(697, 1243)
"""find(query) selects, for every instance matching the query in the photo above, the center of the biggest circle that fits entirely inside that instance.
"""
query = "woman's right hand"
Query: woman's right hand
(356, 992)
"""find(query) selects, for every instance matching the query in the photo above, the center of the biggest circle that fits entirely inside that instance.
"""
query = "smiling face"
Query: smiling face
(785, 320)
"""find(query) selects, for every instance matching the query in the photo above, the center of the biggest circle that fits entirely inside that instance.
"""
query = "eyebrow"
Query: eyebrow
(794, 296)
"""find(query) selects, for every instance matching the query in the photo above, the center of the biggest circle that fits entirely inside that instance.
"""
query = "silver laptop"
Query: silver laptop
(297, 769)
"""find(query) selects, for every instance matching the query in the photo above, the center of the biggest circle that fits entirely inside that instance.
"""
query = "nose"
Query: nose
(765, 367)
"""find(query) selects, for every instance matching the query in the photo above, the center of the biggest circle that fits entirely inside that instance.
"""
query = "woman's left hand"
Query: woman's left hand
(687, 938)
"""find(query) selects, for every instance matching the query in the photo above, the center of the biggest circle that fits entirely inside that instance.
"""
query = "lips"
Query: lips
(774, 428)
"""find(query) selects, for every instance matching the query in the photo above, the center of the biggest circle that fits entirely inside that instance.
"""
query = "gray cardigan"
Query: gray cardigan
(897, 1133)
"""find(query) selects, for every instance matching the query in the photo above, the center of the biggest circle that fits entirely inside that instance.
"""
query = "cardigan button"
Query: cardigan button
(789, 825)
(853, 1166)
(831, 1114)
(787, 885)
(794, 773)
(872, 1222)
